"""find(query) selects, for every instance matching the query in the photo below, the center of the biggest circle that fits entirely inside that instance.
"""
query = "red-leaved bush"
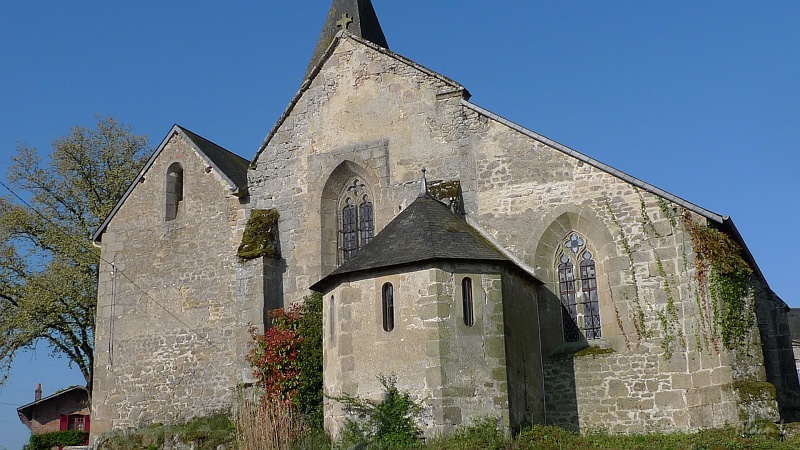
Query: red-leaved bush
(274, 355)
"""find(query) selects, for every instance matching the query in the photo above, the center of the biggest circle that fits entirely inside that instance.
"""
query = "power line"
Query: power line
(82, 242)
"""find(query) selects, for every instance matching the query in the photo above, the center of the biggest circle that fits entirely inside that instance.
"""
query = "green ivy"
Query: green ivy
(638, 321)
(720, 267)
(669, 317)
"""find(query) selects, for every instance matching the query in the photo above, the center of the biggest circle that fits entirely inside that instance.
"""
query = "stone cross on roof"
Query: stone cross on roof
(345, 21)
(357, 17)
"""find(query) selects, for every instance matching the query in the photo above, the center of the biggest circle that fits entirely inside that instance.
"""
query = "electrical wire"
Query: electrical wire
(82, 242)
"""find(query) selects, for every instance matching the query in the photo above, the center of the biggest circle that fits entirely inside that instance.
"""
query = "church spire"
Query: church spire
(357, 17)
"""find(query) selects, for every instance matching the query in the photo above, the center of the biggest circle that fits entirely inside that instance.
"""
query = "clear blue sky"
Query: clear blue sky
(699, 98)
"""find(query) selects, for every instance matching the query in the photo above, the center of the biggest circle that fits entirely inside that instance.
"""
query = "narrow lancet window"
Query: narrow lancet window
(467, 303)
(566, 289)
(387, 306)
(174, 191)
(591, 307)
(349, 230)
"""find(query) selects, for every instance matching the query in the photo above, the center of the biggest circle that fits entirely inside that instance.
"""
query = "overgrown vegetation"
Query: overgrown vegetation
(273, 355)
(390, 423)
(46, 441)
(260, 235)
(204, 433)
(720, 267)
(261, 425)
(309, 398)
(287, 359)
(485, 435)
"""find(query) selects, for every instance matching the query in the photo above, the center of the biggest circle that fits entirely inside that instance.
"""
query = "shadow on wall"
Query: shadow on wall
(274, 269)
(561, 402)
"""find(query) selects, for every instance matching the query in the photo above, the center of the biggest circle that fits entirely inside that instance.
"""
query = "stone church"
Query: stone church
(494, 271)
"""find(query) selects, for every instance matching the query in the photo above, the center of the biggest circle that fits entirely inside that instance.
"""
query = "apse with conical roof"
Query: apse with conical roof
(357, 17)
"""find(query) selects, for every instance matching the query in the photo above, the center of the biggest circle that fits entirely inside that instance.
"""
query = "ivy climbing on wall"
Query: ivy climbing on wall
(723, 275)
(638, 315)
(667, 318)
(721, 281)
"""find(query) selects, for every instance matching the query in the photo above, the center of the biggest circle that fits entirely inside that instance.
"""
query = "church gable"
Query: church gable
(557, 290)
(178, 149)
(167, 288)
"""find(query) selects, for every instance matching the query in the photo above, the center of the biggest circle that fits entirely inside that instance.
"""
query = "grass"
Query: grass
(259, 428)
(206, 433)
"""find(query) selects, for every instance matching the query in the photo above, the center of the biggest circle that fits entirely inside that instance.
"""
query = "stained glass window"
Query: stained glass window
(591, 308)
(579, 299)
(357, 221)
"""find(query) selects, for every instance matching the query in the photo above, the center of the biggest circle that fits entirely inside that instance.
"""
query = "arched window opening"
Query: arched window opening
(591, 307)
(174, 191)
(387, 306)
(357, 222)
(466, 302)
(579, 299)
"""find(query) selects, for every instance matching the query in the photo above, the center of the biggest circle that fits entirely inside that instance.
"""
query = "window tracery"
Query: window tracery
(356, 221)
(579, 299)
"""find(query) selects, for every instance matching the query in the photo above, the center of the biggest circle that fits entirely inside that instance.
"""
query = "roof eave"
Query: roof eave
(51, 397)
(238, 191)
(97, 235)
(597, 164)
(327, 283)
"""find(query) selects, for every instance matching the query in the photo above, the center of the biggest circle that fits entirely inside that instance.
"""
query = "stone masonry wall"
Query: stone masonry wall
(457, 372)
(171, 335)
(377, 116)
(362, 116)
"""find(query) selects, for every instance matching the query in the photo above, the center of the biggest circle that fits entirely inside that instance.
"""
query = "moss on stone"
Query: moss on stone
(593, 351)
(260, 236)
(755, 391)
(444, 190)
(578, 350)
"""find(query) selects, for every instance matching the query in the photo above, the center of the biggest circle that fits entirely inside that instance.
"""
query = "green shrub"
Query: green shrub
(388, 424)
(46, 441)
(309, 399)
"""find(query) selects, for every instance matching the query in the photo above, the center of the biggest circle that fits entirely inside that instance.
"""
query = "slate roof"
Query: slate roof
(425, 231)
(364, 24)
(229, 163)
(231, 167)
(25, 411)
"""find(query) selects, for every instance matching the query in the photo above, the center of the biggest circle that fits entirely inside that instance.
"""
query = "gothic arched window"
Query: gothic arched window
(174, 190)
(579, 301)
(357, 221)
